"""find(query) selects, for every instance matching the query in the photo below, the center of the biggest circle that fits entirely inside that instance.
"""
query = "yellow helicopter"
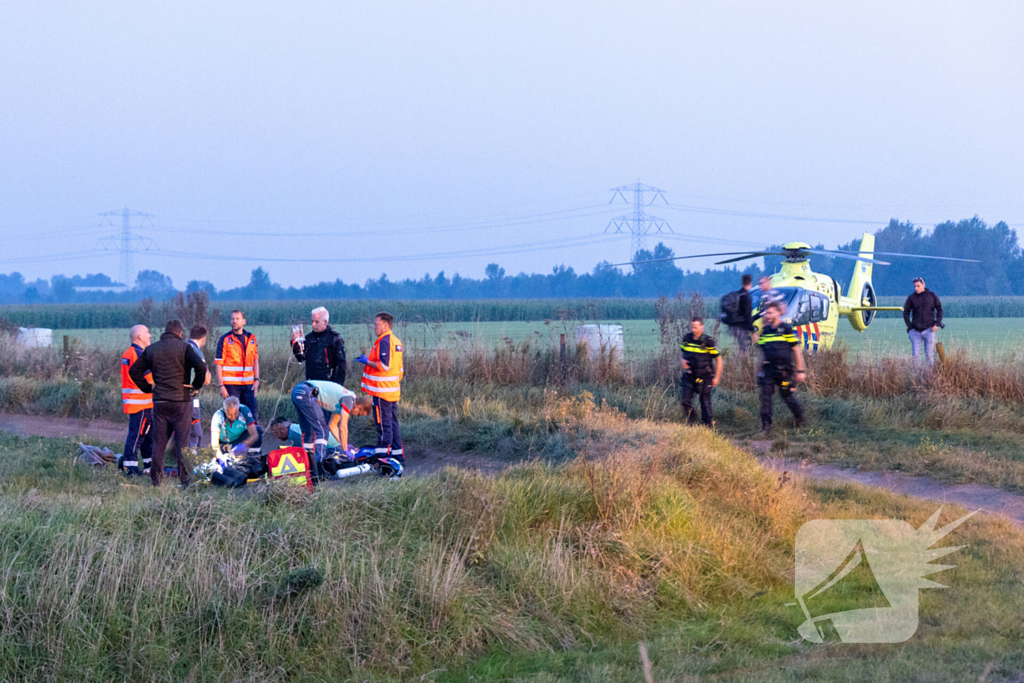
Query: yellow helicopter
(813, 302)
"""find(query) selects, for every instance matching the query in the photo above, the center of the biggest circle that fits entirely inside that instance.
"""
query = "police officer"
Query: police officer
(382, 380)
(702, 366)
(781, 350)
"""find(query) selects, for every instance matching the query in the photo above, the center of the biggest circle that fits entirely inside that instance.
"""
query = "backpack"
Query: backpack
(291, 465)
(730, 305)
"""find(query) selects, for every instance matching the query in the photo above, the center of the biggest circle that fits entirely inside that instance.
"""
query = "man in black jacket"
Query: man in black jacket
(323, 350)
(742, 325)
(922, 314)
(172, 361)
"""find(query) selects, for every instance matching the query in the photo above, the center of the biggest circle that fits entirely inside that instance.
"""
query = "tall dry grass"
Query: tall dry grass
(103, 582)
(85, 381)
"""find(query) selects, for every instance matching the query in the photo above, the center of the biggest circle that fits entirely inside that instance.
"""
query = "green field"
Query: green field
(285, 312)
(981, 336)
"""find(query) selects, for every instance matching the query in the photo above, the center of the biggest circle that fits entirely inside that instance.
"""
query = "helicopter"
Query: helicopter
(813, 302)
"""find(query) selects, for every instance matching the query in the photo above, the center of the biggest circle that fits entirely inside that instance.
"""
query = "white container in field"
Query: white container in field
(35, 337)
(601, 337)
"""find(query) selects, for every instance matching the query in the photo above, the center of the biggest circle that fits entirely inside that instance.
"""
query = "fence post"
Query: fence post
(67, 355)
(563, 363)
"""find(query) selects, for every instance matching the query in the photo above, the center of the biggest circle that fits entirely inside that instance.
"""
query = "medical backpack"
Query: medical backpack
(291, 465)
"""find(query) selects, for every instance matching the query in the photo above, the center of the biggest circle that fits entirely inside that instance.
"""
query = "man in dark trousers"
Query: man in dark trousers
(382, 380)
(738, 316)
(923, 315)
(197, 340)
(323, 350)
(238, 364)
(782, 355)
(702, 365)
(172, 362)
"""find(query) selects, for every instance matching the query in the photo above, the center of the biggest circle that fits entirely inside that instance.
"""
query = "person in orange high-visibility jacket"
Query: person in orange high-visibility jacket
(138, 406)
(382, 380)
(238, 364)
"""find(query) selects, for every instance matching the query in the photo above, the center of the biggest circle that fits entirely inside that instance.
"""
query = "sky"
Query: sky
(326, 140)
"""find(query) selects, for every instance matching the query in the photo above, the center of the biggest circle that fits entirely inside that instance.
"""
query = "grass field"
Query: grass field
(981, 336)
(554, 573)
(96, 316)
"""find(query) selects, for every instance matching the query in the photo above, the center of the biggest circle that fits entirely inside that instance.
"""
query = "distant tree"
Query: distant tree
(154, 284)
(201, 286)
(62, 289)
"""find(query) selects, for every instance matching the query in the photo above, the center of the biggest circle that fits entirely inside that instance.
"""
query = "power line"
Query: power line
(585, 240)
(772, 216)
(43, 258)
(410, 221)
(530, 219)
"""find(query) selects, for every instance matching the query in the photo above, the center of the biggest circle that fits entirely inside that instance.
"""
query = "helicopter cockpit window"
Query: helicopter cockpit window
(799, 310)
(825, 303)
(817, 307)
(784, 295)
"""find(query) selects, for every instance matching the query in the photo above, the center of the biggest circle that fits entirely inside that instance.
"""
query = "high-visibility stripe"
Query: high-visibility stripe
(382, 378)
(137, 401)
(132, 391)
(382, 381)
(382, 390)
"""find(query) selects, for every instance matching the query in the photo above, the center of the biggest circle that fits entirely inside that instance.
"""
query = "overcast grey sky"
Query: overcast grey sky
(414, 129)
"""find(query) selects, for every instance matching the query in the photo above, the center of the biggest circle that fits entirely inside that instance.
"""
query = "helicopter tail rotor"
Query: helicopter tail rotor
(861, 304)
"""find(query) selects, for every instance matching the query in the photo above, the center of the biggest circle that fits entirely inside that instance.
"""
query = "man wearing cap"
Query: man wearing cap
(922, 314)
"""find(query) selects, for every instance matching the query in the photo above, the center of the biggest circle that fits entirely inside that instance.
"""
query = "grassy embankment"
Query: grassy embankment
(651, 532)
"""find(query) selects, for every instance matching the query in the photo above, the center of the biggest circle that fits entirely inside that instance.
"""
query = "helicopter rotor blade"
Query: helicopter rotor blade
(893, 253)
(749, 255)
(678, 258)
(855, 257)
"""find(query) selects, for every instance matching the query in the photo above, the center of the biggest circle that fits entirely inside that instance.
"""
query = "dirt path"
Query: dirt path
(419, 460)
(40, 425)
(971, 496)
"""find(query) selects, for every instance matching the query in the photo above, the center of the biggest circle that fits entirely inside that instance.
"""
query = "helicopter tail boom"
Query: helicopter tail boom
(859, 304)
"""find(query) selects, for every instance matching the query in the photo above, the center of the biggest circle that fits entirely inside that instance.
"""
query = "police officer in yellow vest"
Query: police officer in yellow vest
(702, 367)
(382, 380)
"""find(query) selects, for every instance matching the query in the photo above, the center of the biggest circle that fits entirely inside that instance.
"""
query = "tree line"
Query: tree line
(1000, 271)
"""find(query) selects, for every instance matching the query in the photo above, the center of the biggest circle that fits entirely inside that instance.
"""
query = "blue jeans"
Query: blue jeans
(311, 420)
(925, 339)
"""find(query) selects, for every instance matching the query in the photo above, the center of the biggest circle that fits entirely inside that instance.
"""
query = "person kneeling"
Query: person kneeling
(312, 399)
(237, 441)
